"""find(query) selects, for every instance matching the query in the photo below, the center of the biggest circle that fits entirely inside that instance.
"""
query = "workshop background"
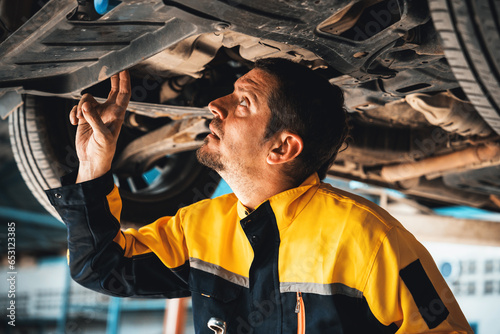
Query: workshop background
(48, 301)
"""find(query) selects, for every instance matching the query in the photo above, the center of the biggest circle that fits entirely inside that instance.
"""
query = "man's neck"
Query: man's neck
(252, 191)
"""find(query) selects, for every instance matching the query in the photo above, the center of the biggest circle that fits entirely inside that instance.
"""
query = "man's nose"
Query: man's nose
(218, 108)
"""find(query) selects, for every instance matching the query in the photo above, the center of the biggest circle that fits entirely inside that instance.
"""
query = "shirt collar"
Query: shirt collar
(288, 204)
(243, 211)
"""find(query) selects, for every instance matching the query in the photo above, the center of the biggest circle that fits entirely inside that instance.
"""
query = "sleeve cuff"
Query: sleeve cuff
(80, 193)
(70, 178)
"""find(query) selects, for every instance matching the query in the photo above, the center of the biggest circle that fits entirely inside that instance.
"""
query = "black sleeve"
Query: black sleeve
(95, 260)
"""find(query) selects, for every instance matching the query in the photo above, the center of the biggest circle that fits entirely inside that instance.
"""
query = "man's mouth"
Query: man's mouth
(214, 127)
(213, 134)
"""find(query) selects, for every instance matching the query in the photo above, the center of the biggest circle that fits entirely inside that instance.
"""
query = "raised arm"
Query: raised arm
(101, 256)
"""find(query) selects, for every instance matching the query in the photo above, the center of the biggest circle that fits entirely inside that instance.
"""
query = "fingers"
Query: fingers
(111, 112)
(120, 89)
(115, 87)
(72, 116)
(115, 82)
(92, 117)
(87, 98)
(125, 90)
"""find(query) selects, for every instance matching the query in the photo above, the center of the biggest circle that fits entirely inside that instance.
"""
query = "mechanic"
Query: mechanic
(285, 253)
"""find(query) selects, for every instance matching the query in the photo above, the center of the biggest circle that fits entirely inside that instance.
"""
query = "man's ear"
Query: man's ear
(286, 147)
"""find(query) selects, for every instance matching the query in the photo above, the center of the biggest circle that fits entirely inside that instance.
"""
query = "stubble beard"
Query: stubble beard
(212, 160)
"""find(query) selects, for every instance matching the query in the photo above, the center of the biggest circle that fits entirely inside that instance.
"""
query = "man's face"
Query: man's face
(236, 143)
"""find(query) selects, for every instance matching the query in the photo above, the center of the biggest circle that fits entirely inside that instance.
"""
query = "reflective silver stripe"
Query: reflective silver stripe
(321, 289)
(219, 271)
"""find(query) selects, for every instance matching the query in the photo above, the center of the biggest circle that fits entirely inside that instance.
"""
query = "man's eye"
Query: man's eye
(244, 103)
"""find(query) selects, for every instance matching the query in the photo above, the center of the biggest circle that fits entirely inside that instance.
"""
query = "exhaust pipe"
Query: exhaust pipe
(465, 158)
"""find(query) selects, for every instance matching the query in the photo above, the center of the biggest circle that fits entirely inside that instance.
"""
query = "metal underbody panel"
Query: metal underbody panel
(378, 60)
(56, 53)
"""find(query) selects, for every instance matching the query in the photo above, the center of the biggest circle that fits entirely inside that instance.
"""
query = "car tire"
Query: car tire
(32, 157)
(42, 141)
(470, 35)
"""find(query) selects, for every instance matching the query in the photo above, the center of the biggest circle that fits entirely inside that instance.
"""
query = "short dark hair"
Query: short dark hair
(305, 103)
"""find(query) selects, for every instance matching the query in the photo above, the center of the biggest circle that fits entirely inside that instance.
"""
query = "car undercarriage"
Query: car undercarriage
(421, 81)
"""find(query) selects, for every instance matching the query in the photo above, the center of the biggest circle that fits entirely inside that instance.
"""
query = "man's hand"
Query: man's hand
(98, 128)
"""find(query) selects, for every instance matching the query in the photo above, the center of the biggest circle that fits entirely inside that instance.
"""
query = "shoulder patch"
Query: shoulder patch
(429, 304)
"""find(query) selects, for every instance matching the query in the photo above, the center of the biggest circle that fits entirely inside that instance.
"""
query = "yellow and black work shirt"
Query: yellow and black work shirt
(311, 259)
